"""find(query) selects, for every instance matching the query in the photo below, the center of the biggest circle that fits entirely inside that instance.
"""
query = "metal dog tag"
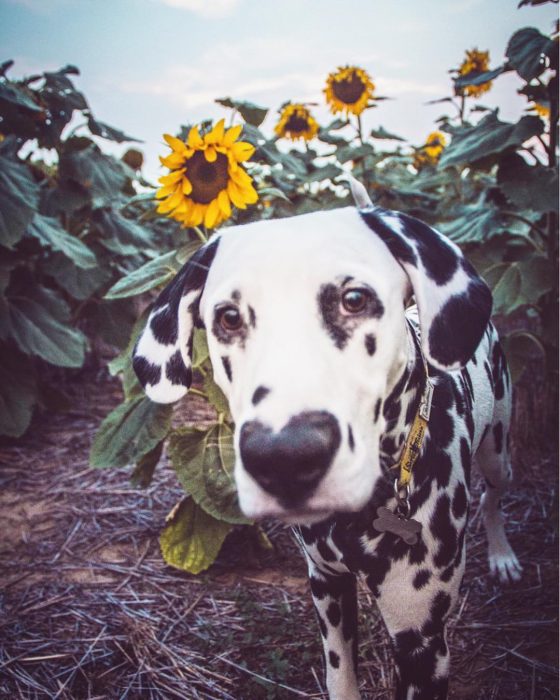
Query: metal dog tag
(387, 521)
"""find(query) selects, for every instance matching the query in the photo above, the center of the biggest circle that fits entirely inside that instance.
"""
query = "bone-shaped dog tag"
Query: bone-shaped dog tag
(387, 521)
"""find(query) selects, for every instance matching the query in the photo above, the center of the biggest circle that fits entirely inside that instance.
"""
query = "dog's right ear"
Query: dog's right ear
(162, 357)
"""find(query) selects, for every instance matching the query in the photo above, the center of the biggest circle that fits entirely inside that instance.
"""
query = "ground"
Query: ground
(89, 610)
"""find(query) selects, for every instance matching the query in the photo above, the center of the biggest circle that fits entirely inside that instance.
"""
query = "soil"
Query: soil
(88, 609)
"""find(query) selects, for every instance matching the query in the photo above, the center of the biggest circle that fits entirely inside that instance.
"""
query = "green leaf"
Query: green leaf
(200, 348)
(476, 225)
(351, 152)
(528, 186)
(108, 132)
(112, 320)
(521, 347)
(154, 273)
(490, 136)
(51, 234)
(129, 432)
(215, 395)
(121, 235)
(382, 133)
(192, 539)
(477, 78)
(505, 282)
(144, 470)
(79, 283)
(18, 391)
(250, 112)
(204, 460)
(517, 283)
(19, 198)
(39, 324)
(527, 50)
(99, 175)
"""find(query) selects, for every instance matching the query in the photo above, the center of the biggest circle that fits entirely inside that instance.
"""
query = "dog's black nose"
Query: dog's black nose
(291, 463)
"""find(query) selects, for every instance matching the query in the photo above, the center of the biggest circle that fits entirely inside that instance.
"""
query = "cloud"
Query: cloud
(211, 9)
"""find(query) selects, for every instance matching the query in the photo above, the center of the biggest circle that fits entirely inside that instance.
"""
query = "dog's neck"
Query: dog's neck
(401, 405)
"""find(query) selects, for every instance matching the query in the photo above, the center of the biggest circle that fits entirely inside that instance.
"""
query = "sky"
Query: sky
(148, 66)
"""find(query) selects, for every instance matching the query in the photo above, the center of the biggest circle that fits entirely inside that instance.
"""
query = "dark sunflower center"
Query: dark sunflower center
(207, 179)
(349, 90)
(296, 124)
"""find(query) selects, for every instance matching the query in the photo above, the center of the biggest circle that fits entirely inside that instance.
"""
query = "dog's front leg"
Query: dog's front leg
(334, 596)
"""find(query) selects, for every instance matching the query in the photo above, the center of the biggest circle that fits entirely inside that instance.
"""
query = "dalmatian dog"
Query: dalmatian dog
(324, 362)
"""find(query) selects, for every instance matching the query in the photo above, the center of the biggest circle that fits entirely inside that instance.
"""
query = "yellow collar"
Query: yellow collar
(415, 439)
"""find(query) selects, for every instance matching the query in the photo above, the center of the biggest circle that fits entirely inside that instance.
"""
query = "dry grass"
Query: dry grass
(89, 610)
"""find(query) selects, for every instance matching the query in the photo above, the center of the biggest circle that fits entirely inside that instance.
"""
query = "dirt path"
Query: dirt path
(89, 609)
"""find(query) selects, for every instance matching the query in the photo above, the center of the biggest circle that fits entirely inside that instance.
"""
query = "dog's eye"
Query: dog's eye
(229, 318)
(354, 300)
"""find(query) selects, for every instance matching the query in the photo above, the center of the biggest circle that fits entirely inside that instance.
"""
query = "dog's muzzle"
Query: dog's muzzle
(291, 463)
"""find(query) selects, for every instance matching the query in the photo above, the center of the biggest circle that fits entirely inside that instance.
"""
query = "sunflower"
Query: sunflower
(430, 152)
(349, 90)
(206, 177)
(475, 62)
(296, 123)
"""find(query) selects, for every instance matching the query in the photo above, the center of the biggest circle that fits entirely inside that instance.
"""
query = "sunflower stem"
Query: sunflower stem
(200, 233)
(360, 136)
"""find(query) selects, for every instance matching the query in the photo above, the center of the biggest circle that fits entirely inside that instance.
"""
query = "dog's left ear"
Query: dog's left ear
(162, 355)
(454, 303)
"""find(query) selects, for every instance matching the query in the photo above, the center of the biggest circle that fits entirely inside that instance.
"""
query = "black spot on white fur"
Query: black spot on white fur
(259, 395)
(146, 372)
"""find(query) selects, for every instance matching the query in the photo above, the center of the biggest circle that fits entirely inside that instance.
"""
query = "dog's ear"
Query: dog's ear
(454, 303)
(162, 355)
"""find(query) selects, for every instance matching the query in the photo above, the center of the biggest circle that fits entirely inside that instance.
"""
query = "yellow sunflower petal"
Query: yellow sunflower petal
(172, 178)
(195, 139)
(241, 178)
(249, 194)
(165, 191)
(242, 151)
(196, 215)
(173, 160)
(186, 186)
(234, 193)
(217, 133)
(211, 215)
(223, 203)
(210, 153)
(232, 134)
(176, 144)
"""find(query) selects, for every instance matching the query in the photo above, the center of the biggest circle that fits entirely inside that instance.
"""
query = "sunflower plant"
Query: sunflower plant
(206, 176)
(296, 122)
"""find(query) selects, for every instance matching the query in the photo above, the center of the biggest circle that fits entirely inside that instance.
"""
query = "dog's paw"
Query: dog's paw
(505, 566)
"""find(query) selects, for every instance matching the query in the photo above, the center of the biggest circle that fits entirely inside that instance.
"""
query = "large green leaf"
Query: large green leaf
(490, 136)
(144, 470)
(203, 460)
(477, 78)
(101, 176)
(129, 432)
(152, 274)
(19, 198)
(517, 283)
(51, 234)
(250, 112)
(122, 232)
(521, 347)
(38, 322)
(527, 50)
(528, 186)
(476, 225)
(382, 133)
(108, 132)
(79, 283)
(192, 538)
(18, 391)
(112, 320)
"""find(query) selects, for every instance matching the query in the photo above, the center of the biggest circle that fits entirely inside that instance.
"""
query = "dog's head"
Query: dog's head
(307, 336)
